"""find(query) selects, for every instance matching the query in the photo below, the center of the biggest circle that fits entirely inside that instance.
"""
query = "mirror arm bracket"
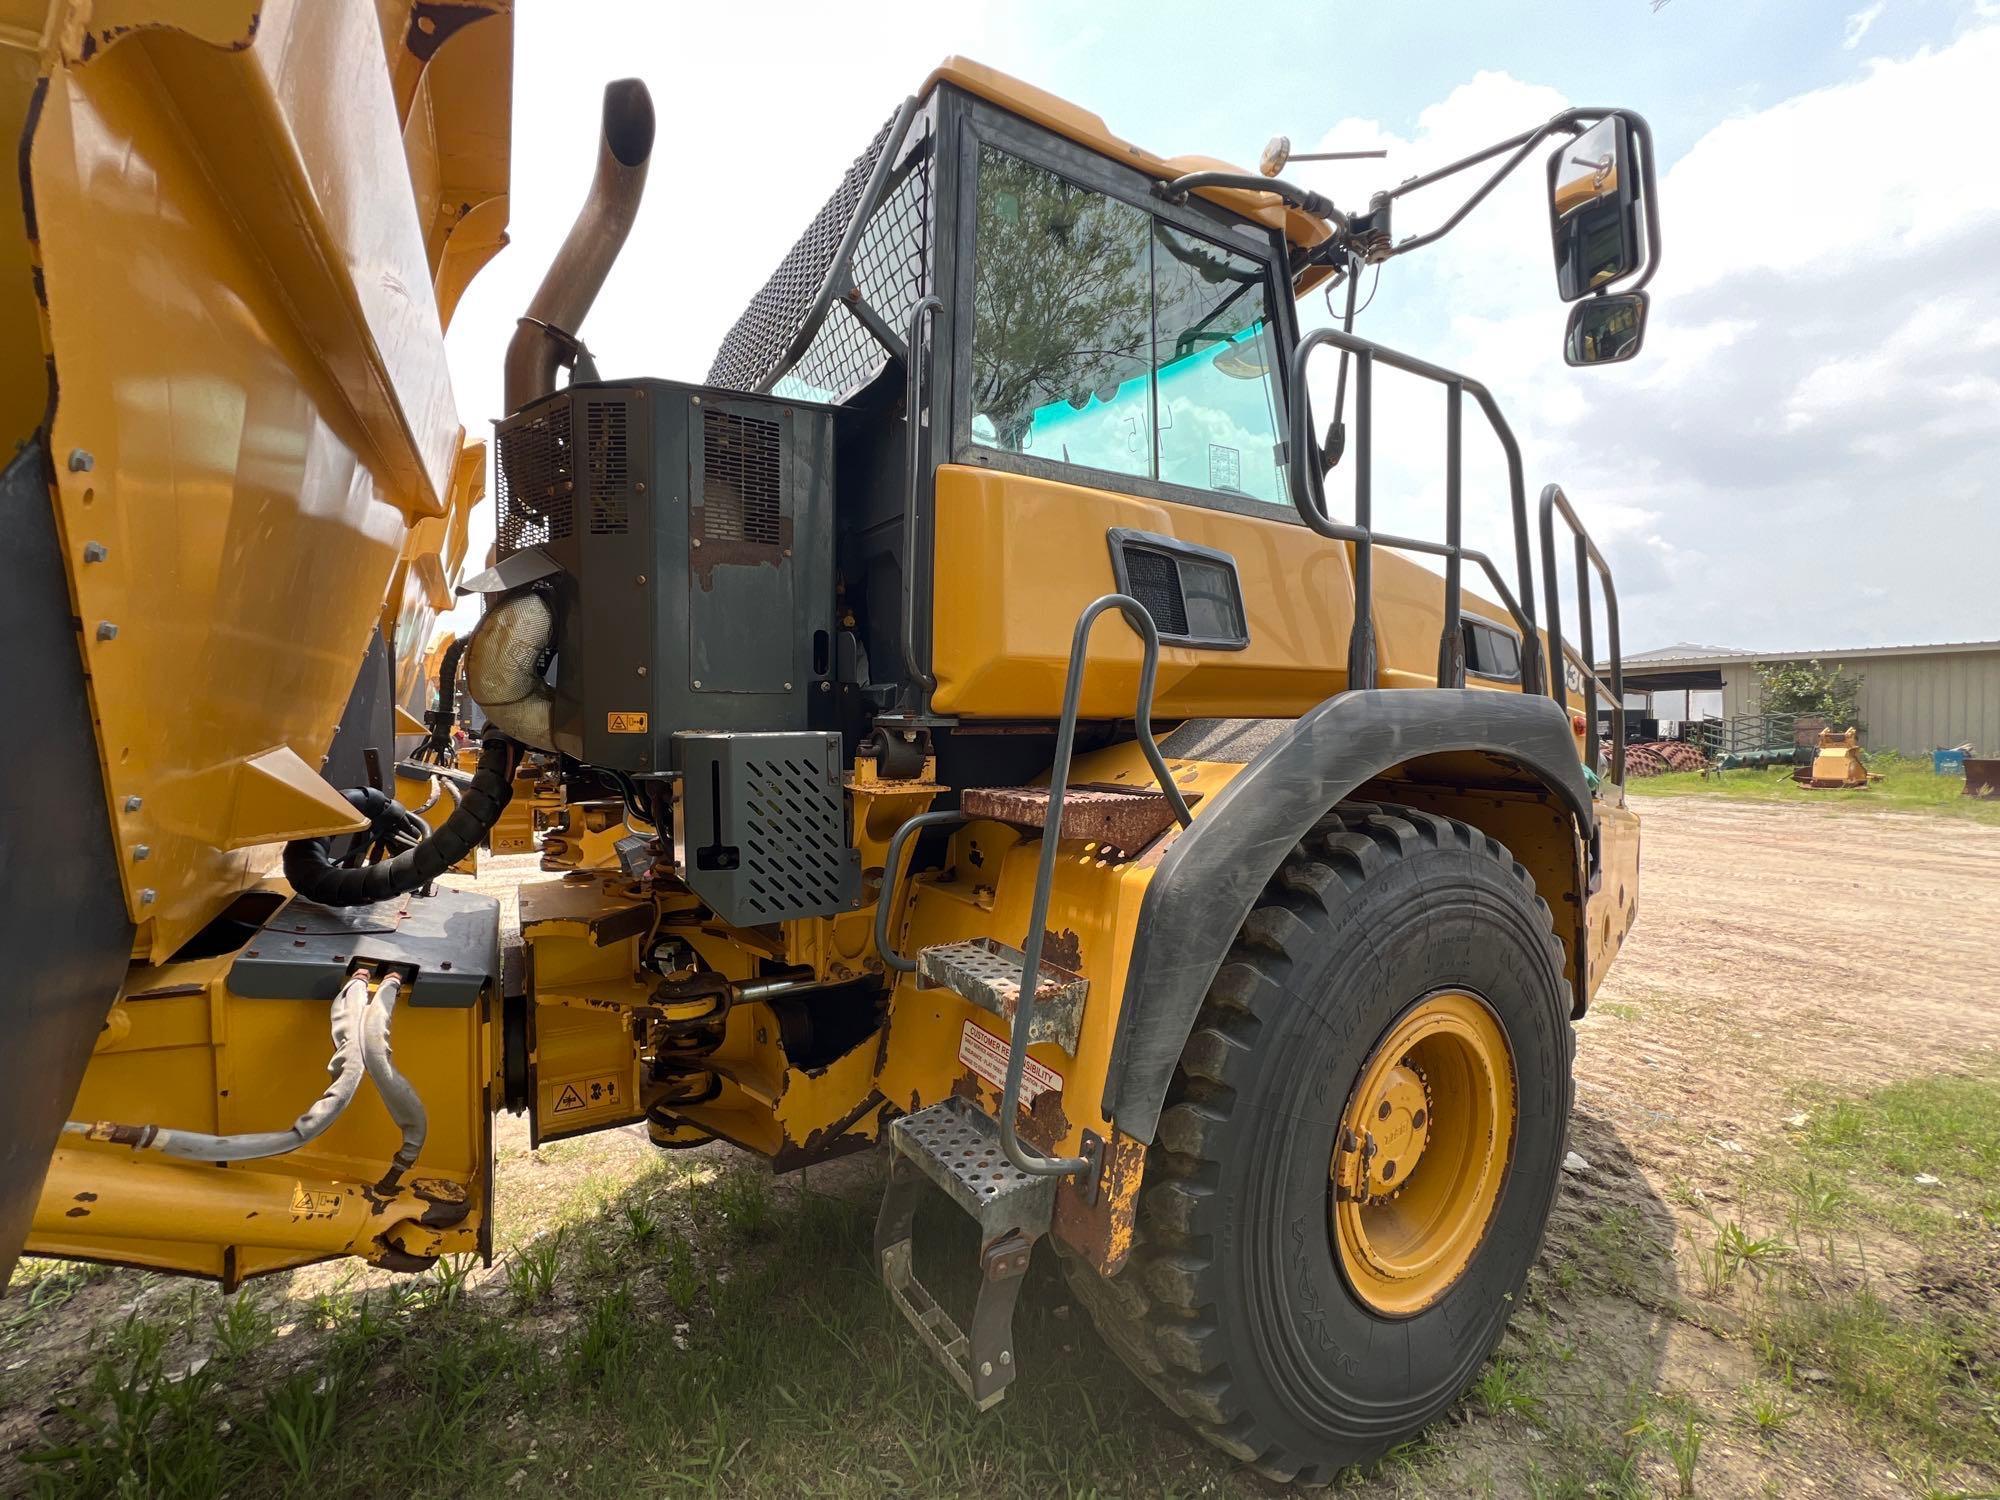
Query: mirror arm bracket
(1303, 199)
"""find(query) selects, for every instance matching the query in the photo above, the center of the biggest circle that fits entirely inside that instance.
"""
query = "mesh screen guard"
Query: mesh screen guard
(799, 337)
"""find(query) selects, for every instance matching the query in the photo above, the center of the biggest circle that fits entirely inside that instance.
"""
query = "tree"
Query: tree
(1062, 295)
(1806, 687)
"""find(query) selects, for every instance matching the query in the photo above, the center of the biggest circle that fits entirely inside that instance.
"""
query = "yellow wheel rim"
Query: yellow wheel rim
(1422, 1153)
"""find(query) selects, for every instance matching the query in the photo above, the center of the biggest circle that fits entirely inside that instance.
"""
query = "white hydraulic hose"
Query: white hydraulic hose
(347, 1066)
(399, 1095)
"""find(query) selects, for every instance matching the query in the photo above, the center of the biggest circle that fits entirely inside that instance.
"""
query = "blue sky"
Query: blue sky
(1297, 67)
(1804, 454)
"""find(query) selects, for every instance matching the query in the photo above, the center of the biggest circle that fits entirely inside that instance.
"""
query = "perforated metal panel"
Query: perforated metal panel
(741, 477)
(608, 463)
(537, 480)
(762, 832)
(794, 854)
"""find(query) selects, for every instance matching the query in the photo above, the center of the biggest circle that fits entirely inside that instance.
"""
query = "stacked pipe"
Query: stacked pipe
(1658, 757)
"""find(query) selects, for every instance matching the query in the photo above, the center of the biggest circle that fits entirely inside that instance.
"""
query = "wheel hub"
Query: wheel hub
(1422, 1153)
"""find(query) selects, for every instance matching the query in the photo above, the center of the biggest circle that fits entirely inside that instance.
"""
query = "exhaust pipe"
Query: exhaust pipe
(546, 337)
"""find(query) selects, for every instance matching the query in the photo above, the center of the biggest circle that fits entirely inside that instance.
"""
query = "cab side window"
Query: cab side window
(1107, 340)
(1218, 417)
(1062, 321)
(1491, 651)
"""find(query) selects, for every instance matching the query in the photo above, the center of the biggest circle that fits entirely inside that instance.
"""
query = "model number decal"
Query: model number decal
(984, 1053)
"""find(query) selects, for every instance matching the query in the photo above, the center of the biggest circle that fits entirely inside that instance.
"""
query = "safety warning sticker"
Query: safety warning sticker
(591, 1093)
(307, 1204)
(625, 723)
(984, 1053)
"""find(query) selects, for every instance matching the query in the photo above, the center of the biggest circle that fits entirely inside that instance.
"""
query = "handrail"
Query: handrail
(892, 875)
(1142, 625)
(1308, 496)
(1141, 622)
(1587, 559)
(928, 306)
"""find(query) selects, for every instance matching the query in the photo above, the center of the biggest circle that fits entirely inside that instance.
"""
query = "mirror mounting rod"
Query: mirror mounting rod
(1572, 121)
(1303, 199)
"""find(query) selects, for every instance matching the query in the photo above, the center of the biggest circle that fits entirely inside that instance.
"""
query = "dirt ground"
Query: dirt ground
(1779, 951)
(1782, 954)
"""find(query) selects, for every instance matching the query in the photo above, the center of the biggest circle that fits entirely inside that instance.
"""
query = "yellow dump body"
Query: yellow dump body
(227, 262)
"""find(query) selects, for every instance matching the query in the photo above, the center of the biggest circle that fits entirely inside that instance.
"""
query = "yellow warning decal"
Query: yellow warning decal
(592, 1093)
(307, 1204)
(625, 723)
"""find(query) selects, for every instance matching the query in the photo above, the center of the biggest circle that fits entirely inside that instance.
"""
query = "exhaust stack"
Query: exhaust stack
(545, 339)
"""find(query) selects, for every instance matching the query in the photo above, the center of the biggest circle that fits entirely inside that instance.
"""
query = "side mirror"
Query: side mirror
(1606, 330)
(1594, 203)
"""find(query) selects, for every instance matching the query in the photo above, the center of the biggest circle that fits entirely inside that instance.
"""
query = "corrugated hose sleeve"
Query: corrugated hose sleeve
(309, 863)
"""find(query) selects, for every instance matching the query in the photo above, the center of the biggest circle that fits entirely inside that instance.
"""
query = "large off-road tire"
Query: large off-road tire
(1238, 1306)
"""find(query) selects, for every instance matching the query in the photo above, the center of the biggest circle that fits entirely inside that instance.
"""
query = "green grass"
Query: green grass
(781, 1371)
(1912, 1350)
(728, 1335)
(1946, 1127)
(1907, 785)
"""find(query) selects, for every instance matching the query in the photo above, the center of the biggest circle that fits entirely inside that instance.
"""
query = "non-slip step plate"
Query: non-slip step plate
(988, 973)
(1126, 818)
(958, 1148)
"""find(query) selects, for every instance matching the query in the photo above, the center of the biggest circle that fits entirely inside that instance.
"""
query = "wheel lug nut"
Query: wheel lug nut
(1417, 1119)
(1388, 1170)
(1383, 1112)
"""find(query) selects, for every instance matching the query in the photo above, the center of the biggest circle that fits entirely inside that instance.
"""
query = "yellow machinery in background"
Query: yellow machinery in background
(962, 722)
(1837, 761)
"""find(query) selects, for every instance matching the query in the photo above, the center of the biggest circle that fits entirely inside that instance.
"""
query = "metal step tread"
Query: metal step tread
(988, 973)
(1126, 817)
(957, 1145)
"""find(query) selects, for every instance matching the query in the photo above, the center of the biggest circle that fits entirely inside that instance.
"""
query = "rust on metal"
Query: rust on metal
(1102, 1232)
(1044, 1124)
(1126, 818)
(1063, 949)
(839, 1138)
(967, 1087)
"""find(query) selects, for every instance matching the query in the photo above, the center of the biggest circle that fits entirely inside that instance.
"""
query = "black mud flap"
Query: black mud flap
(65, 939)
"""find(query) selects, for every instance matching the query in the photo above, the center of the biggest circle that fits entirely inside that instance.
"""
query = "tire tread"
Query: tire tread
(1155, 1312)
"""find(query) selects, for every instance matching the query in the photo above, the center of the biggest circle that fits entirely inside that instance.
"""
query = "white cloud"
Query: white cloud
(1937, 354)
(1816, 183)
(1859, 23)
(1823, 356)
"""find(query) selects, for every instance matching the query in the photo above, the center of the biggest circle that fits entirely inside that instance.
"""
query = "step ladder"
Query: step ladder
(976, 1160)
(955, 1147)
(988, 973)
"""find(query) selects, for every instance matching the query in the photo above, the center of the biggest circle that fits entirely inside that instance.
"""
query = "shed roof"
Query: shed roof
(1686, 654)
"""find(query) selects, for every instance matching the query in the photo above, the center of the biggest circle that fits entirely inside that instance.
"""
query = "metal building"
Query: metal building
(1913, 698)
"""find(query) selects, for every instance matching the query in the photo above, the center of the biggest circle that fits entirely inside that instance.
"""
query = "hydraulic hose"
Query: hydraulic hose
(399, 1095)
(309, 863)
(347, 1066)
(444, 718)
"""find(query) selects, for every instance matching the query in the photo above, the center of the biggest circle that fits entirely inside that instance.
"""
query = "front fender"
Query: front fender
(1212, 874)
